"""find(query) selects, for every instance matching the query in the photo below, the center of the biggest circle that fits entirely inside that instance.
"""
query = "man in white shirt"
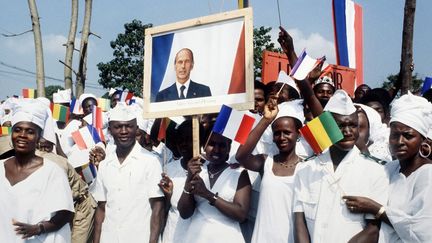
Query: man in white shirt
(130, 202)
(321, 214)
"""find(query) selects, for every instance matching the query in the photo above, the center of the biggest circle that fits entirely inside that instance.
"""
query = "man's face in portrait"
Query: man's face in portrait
(183, 65)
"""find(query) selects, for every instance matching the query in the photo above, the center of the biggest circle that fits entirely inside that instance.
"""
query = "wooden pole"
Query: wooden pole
(40, 70)
(195, 135)
(406, 68)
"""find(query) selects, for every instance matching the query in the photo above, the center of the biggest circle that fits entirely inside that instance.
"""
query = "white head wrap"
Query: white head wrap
(292, 109)
(44, 101)
(377, 130)
(429, 134)
(85, 96)
(340, 103)
(62, 96)
(38, 114)
(413, 111)
(122, 112)
(284, 78)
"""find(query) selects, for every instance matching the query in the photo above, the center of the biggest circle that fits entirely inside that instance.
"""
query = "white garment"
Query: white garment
(127, 188)
(208, 224)
(409, 207)
(274, 218)
(319, 189)
(35, 199)
(176, 227)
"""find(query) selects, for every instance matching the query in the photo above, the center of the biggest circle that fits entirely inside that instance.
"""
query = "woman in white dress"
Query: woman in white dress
(407, 217)
(274, 218)
(172, 184)
(36, 200)
(215, 196)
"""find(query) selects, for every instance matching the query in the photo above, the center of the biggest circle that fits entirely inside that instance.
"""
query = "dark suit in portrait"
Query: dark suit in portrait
(195, 90)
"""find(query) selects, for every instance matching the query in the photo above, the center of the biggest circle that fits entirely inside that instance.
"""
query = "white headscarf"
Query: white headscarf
(85, 96)
(36, 113)
(413, 111)
(377, 130)
(292, 109)
(340, 103)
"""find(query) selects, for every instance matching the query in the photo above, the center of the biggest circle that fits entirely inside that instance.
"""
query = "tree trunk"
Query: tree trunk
(70, 46)
(40, 73)
(407, 66)
(82, 69)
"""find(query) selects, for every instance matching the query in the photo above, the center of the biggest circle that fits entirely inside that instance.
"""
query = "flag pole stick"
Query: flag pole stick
(195, 135)
(280, 22)
(280, 90)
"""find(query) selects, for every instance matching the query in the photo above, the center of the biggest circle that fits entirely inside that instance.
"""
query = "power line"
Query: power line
(95, 86)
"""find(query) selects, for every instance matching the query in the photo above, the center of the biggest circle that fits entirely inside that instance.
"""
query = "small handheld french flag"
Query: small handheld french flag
(88, 172)
(75, 106)
(86, 137)
(233, 124)
(304, 65)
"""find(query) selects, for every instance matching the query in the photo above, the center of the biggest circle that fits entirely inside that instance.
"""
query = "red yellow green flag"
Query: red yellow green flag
(5, 131)
(60, 112)
(321, 132)
(29, 93)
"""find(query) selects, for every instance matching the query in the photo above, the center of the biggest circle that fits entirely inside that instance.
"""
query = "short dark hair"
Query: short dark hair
(379, 95)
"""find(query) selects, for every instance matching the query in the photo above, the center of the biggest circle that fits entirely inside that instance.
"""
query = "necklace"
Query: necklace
(287, 165)
(212, 175)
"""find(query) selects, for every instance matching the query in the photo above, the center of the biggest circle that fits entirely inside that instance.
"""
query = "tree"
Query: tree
(40, 73)
(70, 45)
(126, 69)
(51, 89)
(405, 73)
(82, 66)
(262, 41)
(392, 80)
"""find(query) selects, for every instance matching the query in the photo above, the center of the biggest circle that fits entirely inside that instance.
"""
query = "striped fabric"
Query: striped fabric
(348, 31)
(321, 132)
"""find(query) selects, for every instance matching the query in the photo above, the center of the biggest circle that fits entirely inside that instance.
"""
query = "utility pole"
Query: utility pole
(70, 46)
(82, 67)
(407, 65)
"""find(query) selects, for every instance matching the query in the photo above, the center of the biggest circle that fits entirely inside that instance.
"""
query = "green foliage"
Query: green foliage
(126, 69)
(262, 41)
(416, 83)
(51, 89)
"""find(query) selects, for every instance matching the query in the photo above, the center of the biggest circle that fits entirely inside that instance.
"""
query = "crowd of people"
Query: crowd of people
(371, 186)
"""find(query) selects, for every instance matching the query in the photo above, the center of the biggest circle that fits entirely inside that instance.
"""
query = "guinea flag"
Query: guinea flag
(60, 112)
(321, 132)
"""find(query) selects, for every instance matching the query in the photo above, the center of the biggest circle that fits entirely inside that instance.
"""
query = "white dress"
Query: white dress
(274, 218)
(35, 199)
(208, 224)
(176, 227)
(409, 207)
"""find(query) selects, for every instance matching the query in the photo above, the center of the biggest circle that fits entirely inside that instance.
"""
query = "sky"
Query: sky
(308, 21)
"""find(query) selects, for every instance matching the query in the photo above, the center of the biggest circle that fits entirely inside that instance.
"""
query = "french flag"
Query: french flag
(86, 137)
(304, 65)
(97, 121)
(88, 172)
(212, 43)
(126, 96)
(233, 124)
(75, 106)
(348, 31)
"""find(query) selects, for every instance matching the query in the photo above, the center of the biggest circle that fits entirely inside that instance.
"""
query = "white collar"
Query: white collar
(186, 84)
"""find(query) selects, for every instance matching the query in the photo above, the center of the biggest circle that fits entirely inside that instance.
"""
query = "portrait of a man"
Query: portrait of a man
(184, 87)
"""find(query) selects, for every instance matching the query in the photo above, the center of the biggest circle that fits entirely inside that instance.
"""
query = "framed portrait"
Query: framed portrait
(194, 66)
